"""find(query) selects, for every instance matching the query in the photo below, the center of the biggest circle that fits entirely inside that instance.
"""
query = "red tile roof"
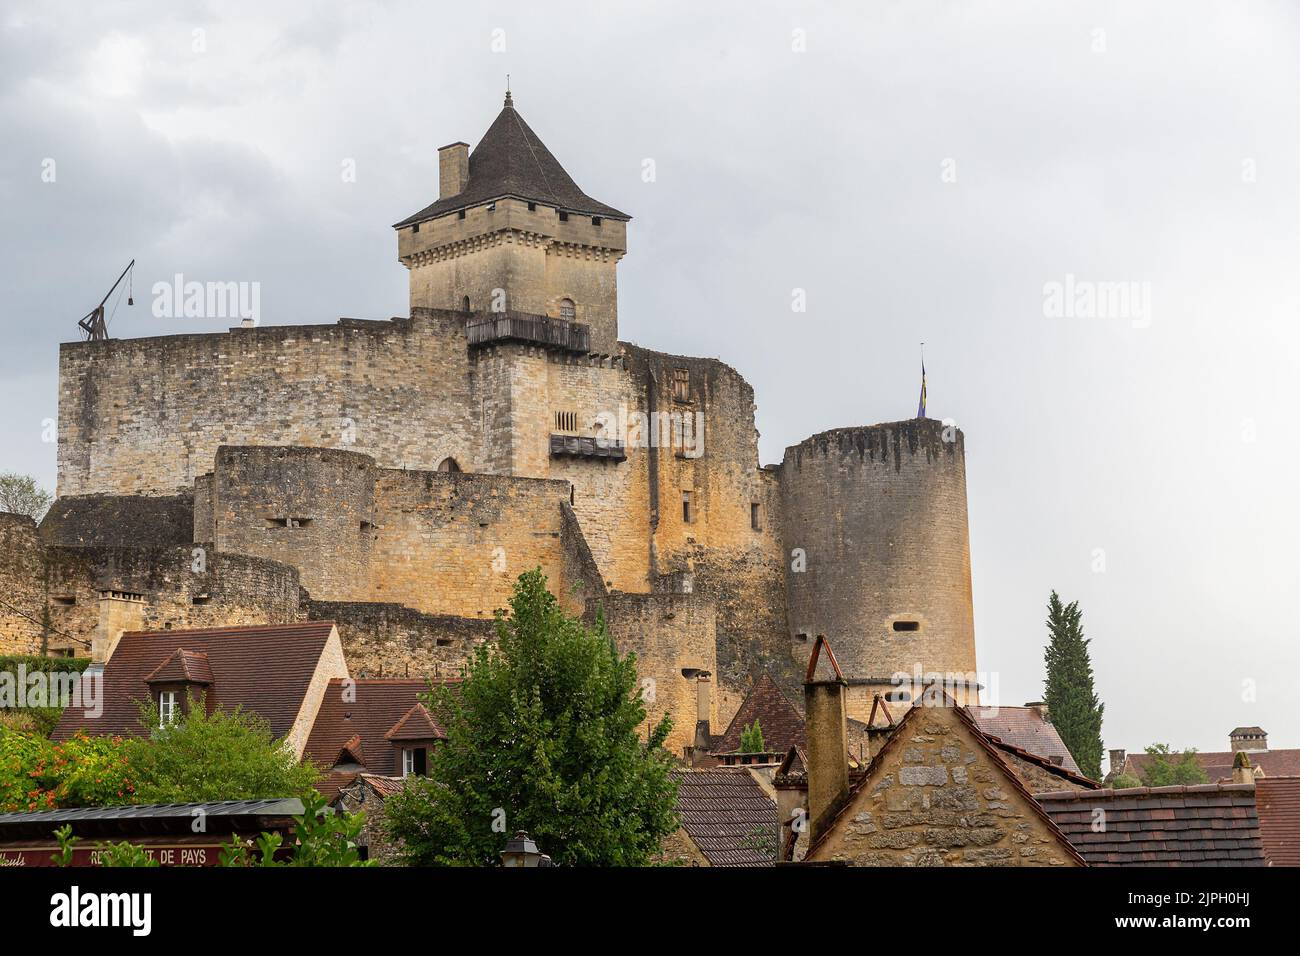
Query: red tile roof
(1217, 764)
(265, 670)
(1277, 800)
(1206, 825)
(1025, 728)
(781, 724)
(367, 711)
(728, 816)
(183, 667)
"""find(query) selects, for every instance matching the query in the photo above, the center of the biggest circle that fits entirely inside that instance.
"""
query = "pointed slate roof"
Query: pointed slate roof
(416, 724)
(781, 724)
(510, 160)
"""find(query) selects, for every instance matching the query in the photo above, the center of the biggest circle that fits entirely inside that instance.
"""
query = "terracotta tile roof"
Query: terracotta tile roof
(781, 724)
(183, 667)
(728, 816)
(930, 699)
(265, 670)
(510, 160)
(1048, 765)
(368, 711)
(1218, 764)
(416, 724)
(1025, 728)
(1207, 825)
(1277, 800)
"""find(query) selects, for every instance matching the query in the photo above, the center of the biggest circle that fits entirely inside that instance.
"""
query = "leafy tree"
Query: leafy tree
(38, 774)
(542, 735)
(1166, 768)
(218, 756)
(321, 838)
(21, 495)
(1124, 781)
(1071, 700)
(751, 739)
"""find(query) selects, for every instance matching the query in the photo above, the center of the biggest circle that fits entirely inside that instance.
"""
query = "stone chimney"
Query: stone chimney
(1040, 708)
(1117, 760)
(119, 612)
(1250, 739)
(453, 169)
(827, 733)
(1242, 772)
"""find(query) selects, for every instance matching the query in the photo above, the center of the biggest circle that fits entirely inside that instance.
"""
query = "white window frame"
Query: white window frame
(169, 706)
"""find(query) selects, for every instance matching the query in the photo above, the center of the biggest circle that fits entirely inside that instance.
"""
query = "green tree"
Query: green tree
(1071, 700)
(1167, 768)
(1124, 781)
(751, 739)
(21, 495)
(543, 735)
(218, 756)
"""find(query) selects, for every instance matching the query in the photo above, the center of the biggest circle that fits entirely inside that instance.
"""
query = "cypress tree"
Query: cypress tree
(1071, 700)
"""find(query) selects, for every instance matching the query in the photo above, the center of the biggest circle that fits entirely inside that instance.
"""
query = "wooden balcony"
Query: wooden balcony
(578, 446)
(526, 327)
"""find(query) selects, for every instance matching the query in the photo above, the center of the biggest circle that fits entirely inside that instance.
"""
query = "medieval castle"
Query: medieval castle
(397, 476)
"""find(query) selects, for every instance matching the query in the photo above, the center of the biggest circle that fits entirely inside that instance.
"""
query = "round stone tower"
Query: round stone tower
(878, 556)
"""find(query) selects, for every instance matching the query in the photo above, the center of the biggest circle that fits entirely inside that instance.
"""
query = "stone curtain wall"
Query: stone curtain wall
(22, 586)
(880, 513)
(145, 416)
(388, 640)
(123, 521)
(936, 798)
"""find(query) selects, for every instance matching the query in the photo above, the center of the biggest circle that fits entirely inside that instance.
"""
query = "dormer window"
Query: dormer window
(568, 311)
(415, 761)
(169, 707)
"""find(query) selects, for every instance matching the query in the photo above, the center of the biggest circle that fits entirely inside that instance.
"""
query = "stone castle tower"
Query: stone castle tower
(512, 232)
(396, 476)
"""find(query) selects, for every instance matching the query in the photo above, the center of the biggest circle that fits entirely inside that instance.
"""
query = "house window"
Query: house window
(168, 708)
(686, 507)
(595, 221)
(681, 385)
(564, 217)
(415, 228)
(566, 421)
(415, 762)
(532, 207)
(568, 311)
(464, 304)
(461, 214)
(753, 517)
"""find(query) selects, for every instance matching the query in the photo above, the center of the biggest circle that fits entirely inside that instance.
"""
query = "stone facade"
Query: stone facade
(937, 795)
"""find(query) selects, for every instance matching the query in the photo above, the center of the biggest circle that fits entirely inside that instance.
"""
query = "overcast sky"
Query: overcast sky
(922, 170)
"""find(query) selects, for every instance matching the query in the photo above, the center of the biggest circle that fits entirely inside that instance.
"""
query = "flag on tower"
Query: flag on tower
(920, 406)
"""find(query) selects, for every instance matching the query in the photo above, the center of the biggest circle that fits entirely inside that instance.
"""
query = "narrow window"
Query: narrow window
(415, 228)
(595, 221)
(753, 517)
(366, 526)
(532, 207)
(277, 522)
(686, 507)
(564, 216)
(801, 638)
(168, 710)
(907, 625)
(568, 311)
(681, 384)
(464, 304)
(63, 601)
(201, 599)
(461, 214)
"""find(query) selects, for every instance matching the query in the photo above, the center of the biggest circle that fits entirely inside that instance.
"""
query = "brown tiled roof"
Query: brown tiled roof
(510, 160)
(781, 724)
(1277, 800)
(265, 670)
(416, 724)
(728, 816)
(1048, 765)
(931, 699)
(1218, 764)
(1025, 728)
(1206, 825)
(367, 710)
(1247, 732)
(183, 667)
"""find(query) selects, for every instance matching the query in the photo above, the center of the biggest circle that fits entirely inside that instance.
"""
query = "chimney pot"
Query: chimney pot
(453, 169)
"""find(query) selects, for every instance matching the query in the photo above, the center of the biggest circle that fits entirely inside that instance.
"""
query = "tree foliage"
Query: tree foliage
(21, 495)
(751, 739)
(1168, 768)
(1071, 700)
(543, 735)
